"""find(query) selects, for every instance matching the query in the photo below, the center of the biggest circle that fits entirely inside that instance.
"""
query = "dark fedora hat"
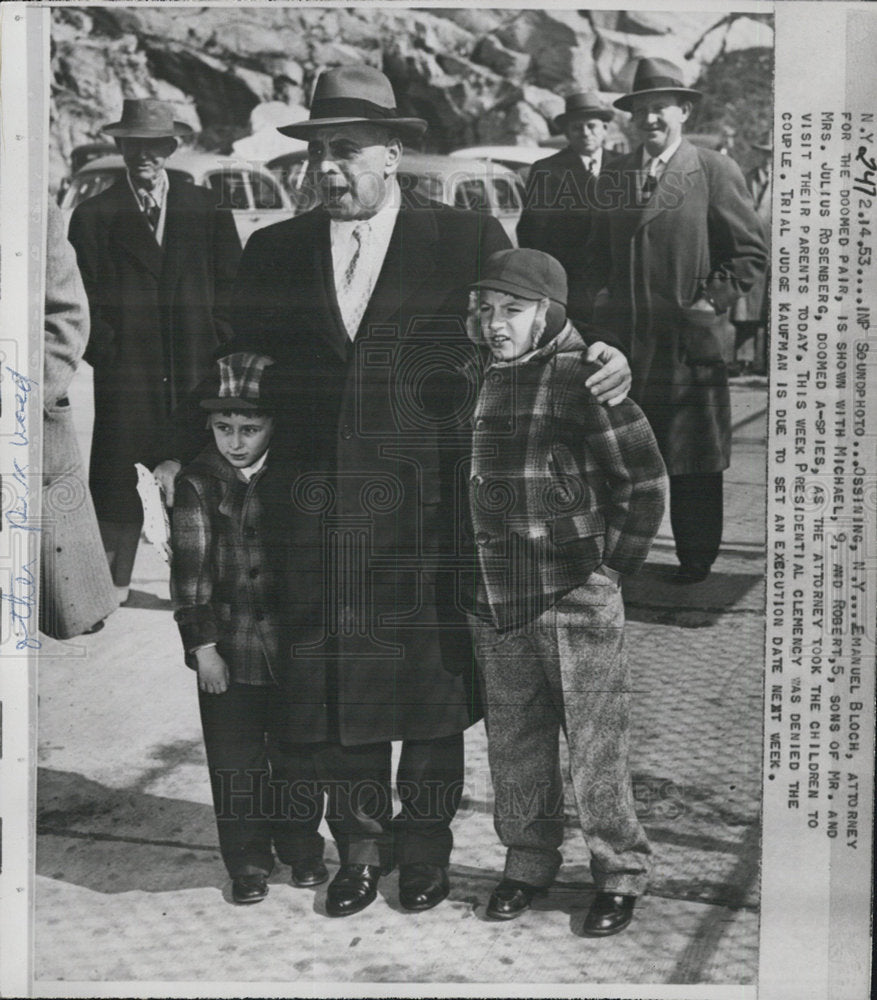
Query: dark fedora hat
(585, 104)
(350, 95)
(147, 118)
(656, 76)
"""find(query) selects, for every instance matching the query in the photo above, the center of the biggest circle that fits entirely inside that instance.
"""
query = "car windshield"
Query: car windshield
(92, 182)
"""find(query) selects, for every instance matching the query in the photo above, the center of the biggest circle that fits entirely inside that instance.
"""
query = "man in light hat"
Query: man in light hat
(157, 259)
(676, 241)
(363, 300)
(558, 204)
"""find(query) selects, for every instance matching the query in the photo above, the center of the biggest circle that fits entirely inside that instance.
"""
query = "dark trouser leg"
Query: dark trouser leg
(430, 786)
(583, 652)
(120, 540)
(357, 781)
(523, 717)
(234, 737)
(696, 517)
(298, 802)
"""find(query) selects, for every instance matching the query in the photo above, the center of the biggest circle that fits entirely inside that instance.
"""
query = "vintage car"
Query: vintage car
(252, 193)
(475, 184)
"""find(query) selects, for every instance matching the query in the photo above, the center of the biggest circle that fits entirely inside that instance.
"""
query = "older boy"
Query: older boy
(227, 579)
(566, 496)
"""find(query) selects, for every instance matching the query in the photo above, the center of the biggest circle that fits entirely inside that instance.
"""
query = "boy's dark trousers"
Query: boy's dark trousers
(248, 805)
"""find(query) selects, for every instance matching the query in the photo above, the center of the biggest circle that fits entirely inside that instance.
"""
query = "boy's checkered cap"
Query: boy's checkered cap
(529, 274)
(238, 382)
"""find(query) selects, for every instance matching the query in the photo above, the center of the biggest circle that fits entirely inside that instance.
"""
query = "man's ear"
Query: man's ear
(173, 144)
(686, 107)
(394, 155)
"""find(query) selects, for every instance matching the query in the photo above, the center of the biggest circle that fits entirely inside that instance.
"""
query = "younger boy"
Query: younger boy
(566, 495)
(227, 575)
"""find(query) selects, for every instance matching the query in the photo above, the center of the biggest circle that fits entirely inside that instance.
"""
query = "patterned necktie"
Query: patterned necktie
(152, 212)
(353, 291)
(650, 182)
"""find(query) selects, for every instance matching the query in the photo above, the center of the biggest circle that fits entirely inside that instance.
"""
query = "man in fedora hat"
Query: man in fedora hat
(158, 260)
(363, 301)
(676, 241)
(558, 204)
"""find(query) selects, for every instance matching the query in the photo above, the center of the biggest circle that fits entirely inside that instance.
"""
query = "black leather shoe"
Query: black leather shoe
(691, 573)
(608, 914)
(422, 886)
(309, 872)
(352, 889)
(249, 888)
(510, 898)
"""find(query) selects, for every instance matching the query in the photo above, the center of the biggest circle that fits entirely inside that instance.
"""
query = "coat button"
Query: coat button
(347, 432)
(477, 480)
(249, 532)
(496, 377)
(254, 572)
(480, 422)
(482, 538)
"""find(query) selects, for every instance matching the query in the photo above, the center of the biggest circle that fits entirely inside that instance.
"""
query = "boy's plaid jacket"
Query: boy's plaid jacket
(559, 484)
(227, 579)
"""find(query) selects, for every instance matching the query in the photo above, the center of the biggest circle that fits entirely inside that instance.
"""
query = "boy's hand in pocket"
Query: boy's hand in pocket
(213, 671)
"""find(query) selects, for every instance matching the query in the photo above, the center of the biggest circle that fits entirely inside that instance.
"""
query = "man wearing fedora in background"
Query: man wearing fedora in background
(558, 204)
(157, 259)
(675, 242)
(363, 301)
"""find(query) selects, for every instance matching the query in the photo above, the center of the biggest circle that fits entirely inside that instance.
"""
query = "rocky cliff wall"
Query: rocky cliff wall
(477, 75)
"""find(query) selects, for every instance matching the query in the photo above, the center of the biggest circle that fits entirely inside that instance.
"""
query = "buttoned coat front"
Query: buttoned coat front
(698, 235)
(158, 314)
(560, 483)
(558, 214)
(380, 650)
(228, 570)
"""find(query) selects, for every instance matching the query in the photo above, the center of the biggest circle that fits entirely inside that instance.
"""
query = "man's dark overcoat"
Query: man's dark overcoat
(697, 235)
(557, 219)
(158, 313)
(380, 648)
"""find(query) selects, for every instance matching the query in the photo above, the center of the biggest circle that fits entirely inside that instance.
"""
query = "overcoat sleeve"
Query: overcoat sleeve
(192, 567)
(88, 236)
(623, 448)
(66, 319)
(226, 258)
(738, 255)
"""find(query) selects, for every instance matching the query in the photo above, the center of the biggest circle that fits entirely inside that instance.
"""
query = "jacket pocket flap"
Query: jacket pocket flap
(582, 525)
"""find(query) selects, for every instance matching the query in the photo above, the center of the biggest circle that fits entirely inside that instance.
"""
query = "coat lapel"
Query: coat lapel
(131, 232)
(671, 184)
(324, 285)
(408, 265)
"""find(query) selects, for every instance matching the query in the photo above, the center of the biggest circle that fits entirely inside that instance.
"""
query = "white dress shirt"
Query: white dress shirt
(660, 162)
(593, 164)
(158, 197)
(376, 237)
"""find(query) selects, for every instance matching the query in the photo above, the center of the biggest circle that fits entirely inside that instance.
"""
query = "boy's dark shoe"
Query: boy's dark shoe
(309, 872)
(609, 914)
(353, 889)
(511, 898)
(422, 886)
(249, 888)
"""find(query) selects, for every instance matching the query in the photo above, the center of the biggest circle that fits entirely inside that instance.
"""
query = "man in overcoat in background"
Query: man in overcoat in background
(559, 200)
(158, 259)
(363, 302)
(676, 241)
(76, 592)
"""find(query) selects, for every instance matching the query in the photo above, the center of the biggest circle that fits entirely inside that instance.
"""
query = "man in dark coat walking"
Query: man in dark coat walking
(363, 302)
(559, 200)
(157, 259)
(676, 241)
